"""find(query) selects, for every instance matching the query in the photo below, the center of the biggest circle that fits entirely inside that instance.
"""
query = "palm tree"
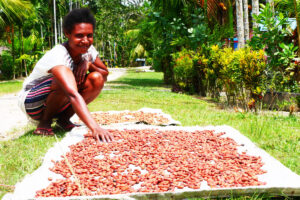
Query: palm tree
(240, 23)
(13, 12)
(255, 11)
(54, 14)
(246, 20)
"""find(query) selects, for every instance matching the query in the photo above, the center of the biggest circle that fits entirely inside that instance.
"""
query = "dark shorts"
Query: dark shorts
(35, 101)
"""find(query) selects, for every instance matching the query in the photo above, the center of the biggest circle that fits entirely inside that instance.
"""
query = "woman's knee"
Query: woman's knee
(96, 80)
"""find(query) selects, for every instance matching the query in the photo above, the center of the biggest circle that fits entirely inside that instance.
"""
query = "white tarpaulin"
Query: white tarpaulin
(279, 179)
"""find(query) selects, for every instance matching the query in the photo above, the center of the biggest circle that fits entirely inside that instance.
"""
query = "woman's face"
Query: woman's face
(80, 38)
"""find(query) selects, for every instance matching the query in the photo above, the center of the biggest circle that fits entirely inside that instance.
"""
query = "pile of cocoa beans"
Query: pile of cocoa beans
(152, 160)
(106, 118)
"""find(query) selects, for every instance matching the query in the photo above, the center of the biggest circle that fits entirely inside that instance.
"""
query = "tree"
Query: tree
(255, 11)
(240, 23)
(246, 20)
(291, 8)
(55, 27)
(13, 12)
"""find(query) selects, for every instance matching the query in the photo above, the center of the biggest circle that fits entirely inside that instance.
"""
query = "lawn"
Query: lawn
(278, 135)
(7, 87)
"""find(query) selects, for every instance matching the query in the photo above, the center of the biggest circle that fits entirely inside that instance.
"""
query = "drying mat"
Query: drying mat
(142, 116)
(277, 179)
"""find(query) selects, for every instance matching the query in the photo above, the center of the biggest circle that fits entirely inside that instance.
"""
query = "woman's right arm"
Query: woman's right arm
(66, 80)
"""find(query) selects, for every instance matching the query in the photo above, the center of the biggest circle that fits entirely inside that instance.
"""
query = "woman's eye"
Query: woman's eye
(90, 35)
(79, 35)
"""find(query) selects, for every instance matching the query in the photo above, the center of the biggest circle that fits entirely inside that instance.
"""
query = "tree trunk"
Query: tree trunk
(246, 20)
(111, 53)
(230, 18)
(54, 18)
(205, 10)
(255, 11)
(70, 5)
(298, 31)
(61, 30)
(20, 51)
(50, 38)
(42, 37)
(23, 61)
(115, 53)
(240, 24)
(13, 50)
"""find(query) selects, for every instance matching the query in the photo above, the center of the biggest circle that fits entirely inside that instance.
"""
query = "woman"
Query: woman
(66, 79)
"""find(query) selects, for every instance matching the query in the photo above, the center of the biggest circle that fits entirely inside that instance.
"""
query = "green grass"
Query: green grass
(279, 136)
(7, 87)
(22, 156)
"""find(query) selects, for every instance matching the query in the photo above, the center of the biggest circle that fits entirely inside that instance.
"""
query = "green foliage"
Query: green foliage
(279, 50)
(32, 51)
(287, 7)
(32, 48)
(274, 33)
(239, 73)
(183, 70)
(116, 30)
(6, 64)
(13, 11)
(287, 54)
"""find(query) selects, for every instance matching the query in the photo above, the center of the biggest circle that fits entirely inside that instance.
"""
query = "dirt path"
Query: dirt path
(12, 118)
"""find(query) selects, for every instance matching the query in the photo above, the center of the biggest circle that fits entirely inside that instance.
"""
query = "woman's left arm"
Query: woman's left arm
(99, 66)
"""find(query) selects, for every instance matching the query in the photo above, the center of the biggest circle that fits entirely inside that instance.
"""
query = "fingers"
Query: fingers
(98, 139)
(102, 135)
(80, 72)
(110, 137)
(103, 138)
(107, 138)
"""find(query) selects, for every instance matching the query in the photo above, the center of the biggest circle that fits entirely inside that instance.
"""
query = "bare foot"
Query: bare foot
(44, 128)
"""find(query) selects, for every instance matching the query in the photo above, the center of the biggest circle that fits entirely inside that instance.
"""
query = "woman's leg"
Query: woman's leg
(57, 99)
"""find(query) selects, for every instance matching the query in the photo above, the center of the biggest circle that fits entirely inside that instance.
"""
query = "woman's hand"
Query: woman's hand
(80, 71)
(101, 134)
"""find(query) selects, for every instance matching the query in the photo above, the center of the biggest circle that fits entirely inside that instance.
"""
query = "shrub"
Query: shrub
(6, 64)
(183, 70)
(240, 74)
(252, 65)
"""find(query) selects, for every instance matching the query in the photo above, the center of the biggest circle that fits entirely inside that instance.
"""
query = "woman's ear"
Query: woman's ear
(67, 34)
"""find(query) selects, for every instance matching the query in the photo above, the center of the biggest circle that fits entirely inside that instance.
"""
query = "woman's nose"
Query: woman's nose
(85, 40)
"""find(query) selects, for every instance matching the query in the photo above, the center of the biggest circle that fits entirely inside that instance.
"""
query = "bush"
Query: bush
(240, 74)
(183, 71)
(6, 64)
(280, 70)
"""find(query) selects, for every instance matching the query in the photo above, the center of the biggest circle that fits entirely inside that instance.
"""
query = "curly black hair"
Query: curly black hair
(77, 16)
